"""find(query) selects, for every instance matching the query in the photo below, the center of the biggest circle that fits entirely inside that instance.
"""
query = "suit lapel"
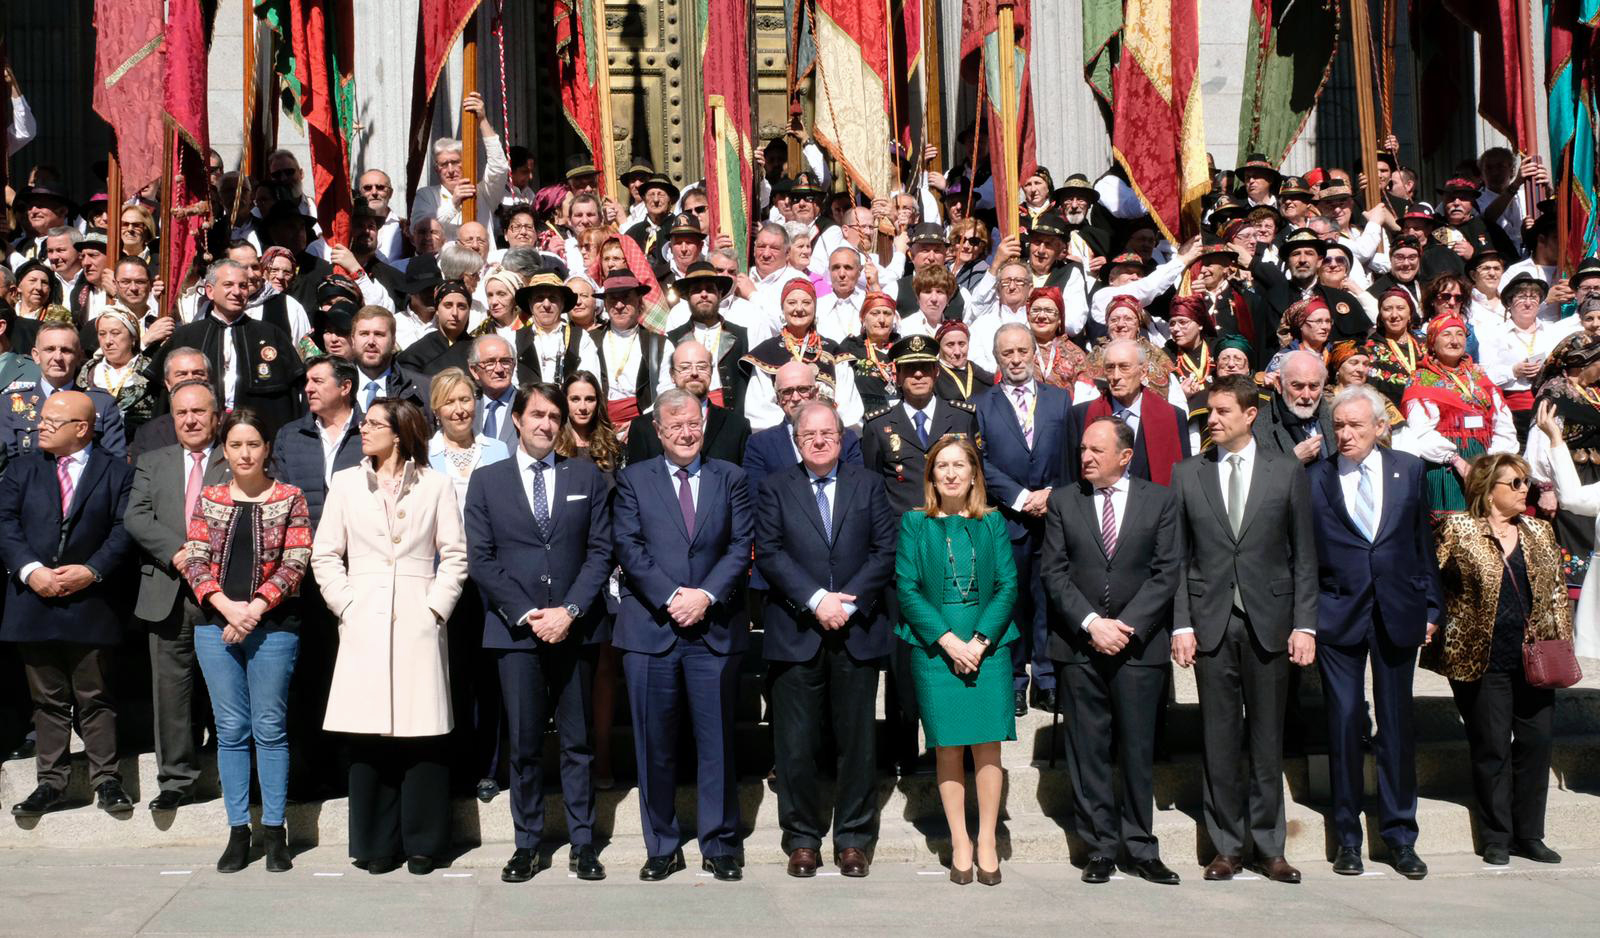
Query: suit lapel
(669, 493)
(1001, 401)
(709, 480)
(1091, 517)
(93, 469)
(216, 467)
(1391, 495)
(1334, 492)
(1211, 484)
(1252, 499)
(559, 486)
(1133, 507)
(803, 489)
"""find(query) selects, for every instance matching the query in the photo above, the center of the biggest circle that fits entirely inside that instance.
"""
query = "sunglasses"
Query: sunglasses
(1516, 485)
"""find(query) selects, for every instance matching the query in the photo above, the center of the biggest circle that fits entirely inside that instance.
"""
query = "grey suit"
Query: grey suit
(1243, 594)
(156, 521)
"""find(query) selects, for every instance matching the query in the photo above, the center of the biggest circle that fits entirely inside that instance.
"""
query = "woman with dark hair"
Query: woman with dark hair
(1393, 348)
(37, 289)
(1501, 575)
(1447, 295)
(390, 557)
(1571, 383)
(969, 253)
(959, 378)
(957, 584)
(249, 541)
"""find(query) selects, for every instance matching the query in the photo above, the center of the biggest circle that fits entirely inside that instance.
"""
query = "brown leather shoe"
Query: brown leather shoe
(852, 862)
(1223, 868)
(1278, 870)
(803, 862)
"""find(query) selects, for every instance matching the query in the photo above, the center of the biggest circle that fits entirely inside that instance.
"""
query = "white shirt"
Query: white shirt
(330, 446)
(188, 462)
(1503, 348)
(980, 346)
(437, 203)
(694, 496)
(1550, 312)
(525, 464)
(829, 489)
(75, 464)
(840, 318)
(1350, 483)
(1425, 440)
(1128, 415)
(926, 411)
(1119, 510)
(1031, 397)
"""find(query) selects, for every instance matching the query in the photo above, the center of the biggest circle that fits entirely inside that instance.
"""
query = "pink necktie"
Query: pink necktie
(191, 490)
(1024, 415)
(63, 464)
(1108, 523)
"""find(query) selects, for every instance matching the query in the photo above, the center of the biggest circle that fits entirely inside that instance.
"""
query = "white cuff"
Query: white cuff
(1311, 632)
(816, 599)
(1186, 630)
(27, 571)
(1088, 620)
(1020, 500)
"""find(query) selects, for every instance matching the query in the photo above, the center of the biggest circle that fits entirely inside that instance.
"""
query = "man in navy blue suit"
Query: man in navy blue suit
(1020, 422)
(825, 540)
(62, 539)
(683, 527)
(1379, 597)
(773, 449)
(539, 546)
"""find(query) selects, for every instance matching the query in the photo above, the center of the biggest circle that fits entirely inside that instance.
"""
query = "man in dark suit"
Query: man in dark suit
(1160, 428)
(1303, 251)
(684, 527)
(1380, 597)
(825, 541)
(539, 538)
(773, 449)
(166, 488)
(1110, 570)
(494, 367)
(726, 431)
(1245, 609)
(1295, 420)
(62, 538)
(59, 356)
(180, 365)
(1020, 422)
(372, 341)
(253, 364)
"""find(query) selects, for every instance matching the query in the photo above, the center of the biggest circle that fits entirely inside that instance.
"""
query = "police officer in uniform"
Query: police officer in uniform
(894, 444)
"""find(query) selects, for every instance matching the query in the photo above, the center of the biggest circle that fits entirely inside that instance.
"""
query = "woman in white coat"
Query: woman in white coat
(390, 556)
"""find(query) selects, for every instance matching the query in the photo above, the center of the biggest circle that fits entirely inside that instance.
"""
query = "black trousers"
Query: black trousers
(831, 691)
(399, 797)
(1509, 724)
(537, 684)
(1033, 626)
(62, 675)
(1108, 700)
(315, 756)
(474, 696)
(1243, 691)
(901, 712)
(172, 683)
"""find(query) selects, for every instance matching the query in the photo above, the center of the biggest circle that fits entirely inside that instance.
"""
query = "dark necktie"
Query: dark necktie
(686, 501)
(921, 420)
(823, 509)
(541, 506)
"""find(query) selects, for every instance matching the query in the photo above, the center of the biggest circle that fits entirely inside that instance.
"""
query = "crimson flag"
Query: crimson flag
(128, 84)
(576, 75)
(439, 24)
(725, 72)
(1157, 131)
(184, 109)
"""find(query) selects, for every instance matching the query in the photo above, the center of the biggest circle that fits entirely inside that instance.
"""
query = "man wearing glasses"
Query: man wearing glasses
(375, 188)
(724, 432)
(774, 449)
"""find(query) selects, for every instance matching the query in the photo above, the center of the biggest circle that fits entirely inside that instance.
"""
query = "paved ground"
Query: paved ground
(177, 892)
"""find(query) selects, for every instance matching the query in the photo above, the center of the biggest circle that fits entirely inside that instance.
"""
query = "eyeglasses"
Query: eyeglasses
(521, 226)
(1013, 281)
(681, 430)
(496, 364)
(972, 242)
(817, 436)
(376, 187)
(369, 424)
(692, 368)
(52, 423)
(1451, 298)
(1516, 485)
(698, 209)
(806, 392)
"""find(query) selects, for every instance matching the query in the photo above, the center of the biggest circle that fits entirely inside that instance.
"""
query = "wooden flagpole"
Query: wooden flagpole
(1530, 113)
(247, 157)
(113, 212)
(469, 121)
(600, 56)
(169, 151)
(933, 84)
(1005, 197)
(1361, 40)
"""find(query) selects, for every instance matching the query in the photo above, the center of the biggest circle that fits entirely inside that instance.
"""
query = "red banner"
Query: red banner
(851, 86)
(323, 46)
(128, 84)
(184, 107)
(727, 137)
(439, 24)
(1158, 134)
(575, 25)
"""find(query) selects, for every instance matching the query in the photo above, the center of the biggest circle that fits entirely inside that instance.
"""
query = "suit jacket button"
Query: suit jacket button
(397, 538)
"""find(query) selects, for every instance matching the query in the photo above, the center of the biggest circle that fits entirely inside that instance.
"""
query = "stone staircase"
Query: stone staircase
(1035, 826)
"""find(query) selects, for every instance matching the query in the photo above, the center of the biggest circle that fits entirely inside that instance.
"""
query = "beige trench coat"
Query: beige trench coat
(392, 675)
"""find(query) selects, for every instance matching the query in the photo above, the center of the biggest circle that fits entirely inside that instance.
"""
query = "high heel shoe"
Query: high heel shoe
(961, 877)
(988, 877)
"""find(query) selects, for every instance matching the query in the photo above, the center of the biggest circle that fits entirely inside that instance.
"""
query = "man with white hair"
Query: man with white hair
(1160, 429)
(769, 273)
(443, 201)
(1297, 420)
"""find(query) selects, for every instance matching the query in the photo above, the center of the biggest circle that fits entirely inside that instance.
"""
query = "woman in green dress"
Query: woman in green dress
(957, 584)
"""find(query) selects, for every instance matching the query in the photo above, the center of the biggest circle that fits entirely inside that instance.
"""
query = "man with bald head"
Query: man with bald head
(1296, 420)
(62, 538)
(773, 449)
(725, 431)
(1161, 429)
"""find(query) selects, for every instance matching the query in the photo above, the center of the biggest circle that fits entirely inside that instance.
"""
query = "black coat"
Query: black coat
(726, 435)
(271, 375)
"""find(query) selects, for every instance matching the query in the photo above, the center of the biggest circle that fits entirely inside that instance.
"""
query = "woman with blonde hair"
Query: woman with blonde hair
(957, 584)
(500, 297)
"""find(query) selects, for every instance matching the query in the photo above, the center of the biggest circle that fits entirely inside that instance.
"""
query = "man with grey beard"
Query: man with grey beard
(1297, 420)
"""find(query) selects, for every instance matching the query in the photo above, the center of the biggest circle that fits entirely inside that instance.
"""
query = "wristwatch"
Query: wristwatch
(573, 610)
(982, 638)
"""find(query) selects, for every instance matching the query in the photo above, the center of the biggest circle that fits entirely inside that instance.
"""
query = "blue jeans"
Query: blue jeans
(249, 686)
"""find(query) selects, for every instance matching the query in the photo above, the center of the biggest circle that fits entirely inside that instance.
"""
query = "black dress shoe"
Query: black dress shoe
(1347, 862)
(170, 800)
(27, 749)
(586, 863)
(1408, 864)
(487, 789)
(43, 800)
(656, 869)
(725, 869)
(1098, 870)
(420, 866)
(1496, 854)
(1155, 871)
(1022, 703)
(1045, 700)
(111, 799)
(1535, 850)
(381, 866)
(525, 862)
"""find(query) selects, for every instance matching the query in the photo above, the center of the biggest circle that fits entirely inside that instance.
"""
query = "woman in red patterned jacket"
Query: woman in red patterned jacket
(249, 546)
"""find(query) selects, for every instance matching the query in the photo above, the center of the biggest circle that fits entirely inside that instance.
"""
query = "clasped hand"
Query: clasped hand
(1109, 636)
(831, 612)
(240, 618)
(60, 581)
(965, 656)
(688, 606)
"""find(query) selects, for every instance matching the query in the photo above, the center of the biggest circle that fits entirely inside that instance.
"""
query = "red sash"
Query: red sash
(622, 410)
(715, 397)
(1159, 424)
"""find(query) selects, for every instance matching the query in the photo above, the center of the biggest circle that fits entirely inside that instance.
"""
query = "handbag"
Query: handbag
(1550, 663)
(1547, 663)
